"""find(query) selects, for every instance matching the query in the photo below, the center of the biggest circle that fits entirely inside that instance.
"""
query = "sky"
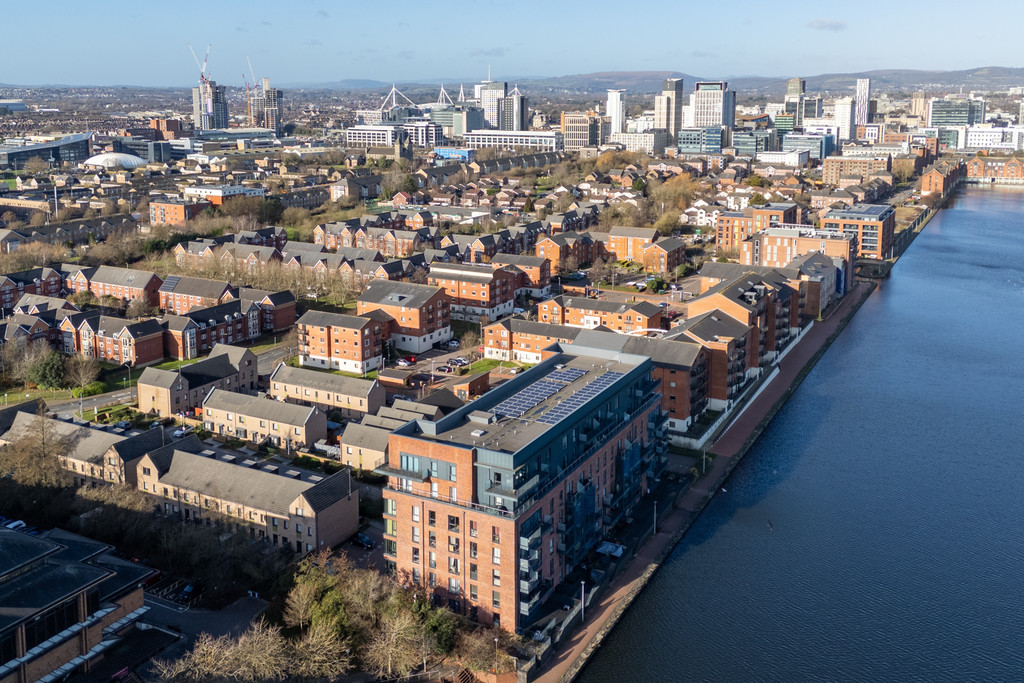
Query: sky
(308, 41)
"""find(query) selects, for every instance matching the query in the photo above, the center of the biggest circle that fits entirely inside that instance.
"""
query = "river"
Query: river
(873, 532)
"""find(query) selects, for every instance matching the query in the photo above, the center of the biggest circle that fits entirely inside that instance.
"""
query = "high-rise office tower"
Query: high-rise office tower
(512, 111)
(863, 101)
(265, 107)
(795, 86)
(583, 129)
(209, 106)
(956, 110)
(616, 111)
(491, 93)
(668, 106)
(713, 104)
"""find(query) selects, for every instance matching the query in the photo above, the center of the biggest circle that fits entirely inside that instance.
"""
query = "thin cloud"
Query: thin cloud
(323, 13)
(492, 52)
(827, 25)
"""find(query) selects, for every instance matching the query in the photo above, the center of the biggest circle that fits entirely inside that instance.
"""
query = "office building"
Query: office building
(491, 94)
(956, 110)
(512, 111)
(209, 106)
(583, 129)
(651, 141)
(616, 110)
(819, 145)
(668, 107)
(542, 140)
(701, 140)
(55, 151)
(713, 104)
(753, 142)
(265, 107)
(456, 120)
(491, 511)
(863, 114)
(845, 115)
(795, 86)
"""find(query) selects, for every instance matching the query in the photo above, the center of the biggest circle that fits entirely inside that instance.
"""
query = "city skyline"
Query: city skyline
(317, 43)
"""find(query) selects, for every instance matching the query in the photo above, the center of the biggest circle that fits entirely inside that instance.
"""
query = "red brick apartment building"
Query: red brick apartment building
(664, 256)
(590, 313)
(42, 281)
(629, 244)
(559, 248)
(277, 309)
(524, 341)
(491, 513)
(753, 302)
(476, 292)
(125, 284)
(180, 294)
(533, 273)
(942, 176)
(420, 314)
(778, 247)
(873, 225)
(726, 340)
(835, 167)
(341, 342)
(114, 340)
(1008, 168)
(199, 330)
(175, 211)
(735, 226)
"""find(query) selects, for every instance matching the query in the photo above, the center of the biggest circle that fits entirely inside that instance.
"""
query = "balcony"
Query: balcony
(528, 586)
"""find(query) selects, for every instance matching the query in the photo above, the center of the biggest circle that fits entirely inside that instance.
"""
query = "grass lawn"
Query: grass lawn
(294, 362)
(488, 364)
(330, 305)
(461, 327)
(172, 365)
(11, 182)
(114, 376)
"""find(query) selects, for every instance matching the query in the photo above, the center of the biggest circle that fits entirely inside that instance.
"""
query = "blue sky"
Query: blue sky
(309, 41)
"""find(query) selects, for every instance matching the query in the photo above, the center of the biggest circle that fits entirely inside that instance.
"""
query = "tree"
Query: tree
(37, 165)
(37, 218)
(757, 199)
(25, 356)
(639, 185)
(138, 308)
(33, 457)
(9, 217)
(394, 647)
(82, 298)
(321, 653)
(80, 371)
(470, 342)
(600, 271)
(49, 372)
(755, 180)
(571, 264)
(298, 606)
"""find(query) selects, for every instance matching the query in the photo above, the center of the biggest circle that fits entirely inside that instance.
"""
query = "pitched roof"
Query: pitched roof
(327, 319)
(709, 327)
(367, 436)
(519, 260)
(122, 277)
(644, 308)
(87, 445)
(625, 231)
(391, 293)
(259, 407)
(195, 286)
(324, 381)
(664, 352)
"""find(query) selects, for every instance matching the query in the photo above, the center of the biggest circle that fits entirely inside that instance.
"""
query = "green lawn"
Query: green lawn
(172, 365)
(114, 376)
(11, 182)
(488, 364)
(294, 362)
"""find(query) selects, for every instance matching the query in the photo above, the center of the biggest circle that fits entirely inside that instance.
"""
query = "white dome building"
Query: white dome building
(110, 160)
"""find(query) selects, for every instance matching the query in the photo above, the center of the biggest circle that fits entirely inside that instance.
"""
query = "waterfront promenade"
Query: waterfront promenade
(603, 613)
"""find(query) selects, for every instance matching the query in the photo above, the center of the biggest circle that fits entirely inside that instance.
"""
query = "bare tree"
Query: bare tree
(36, 165)
(80, 371)
(321, 653)
(299, 604)
(394, 648)
(139, 308)
(470, 342)
(33, 458)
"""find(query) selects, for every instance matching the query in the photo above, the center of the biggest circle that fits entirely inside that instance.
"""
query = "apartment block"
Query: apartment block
(524, 341)
(490, 512)
(113, 340)
(341, 342)
(735, 226)
(778, 247)
(568, 250)
(263, 420)
(591, 313)
(179, 294)
(350, 396)
(421, 313)
(835, 167)
(533, 273)
(726, 340)
(629, 244)
(872, 224)
(175, 211)
(664, 256)
(198, 331)
(126, 284)
(476, 292)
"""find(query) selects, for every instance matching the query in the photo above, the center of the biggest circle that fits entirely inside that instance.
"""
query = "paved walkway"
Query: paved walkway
(613, 599)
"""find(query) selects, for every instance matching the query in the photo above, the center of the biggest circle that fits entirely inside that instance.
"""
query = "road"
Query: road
(68, 405)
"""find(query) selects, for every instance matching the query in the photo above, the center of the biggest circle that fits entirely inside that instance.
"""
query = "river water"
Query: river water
(874, 532)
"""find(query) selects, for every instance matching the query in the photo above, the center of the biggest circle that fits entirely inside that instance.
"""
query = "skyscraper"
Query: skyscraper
(713, 104)
(491, 93)
(919, 105)
(863, 101)
(668, 106)
(795, 86)
(265, 107)
(616, 111)
(209, 106)
(512, 111)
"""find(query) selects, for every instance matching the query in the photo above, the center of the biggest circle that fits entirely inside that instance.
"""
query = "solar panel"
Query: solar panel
(519, 403)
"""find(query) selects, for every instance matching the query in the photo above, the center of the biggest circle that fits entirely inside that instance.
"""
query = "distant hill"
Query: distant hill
(344, 84)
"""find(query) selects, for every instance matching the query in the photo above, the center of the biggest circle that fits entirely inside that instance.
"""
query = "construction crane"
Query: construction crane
(248, 99)
(202, 68)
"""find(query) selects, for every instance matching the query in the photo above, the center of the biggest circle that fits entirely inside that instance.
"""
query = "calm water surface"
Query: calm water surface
(894, 480)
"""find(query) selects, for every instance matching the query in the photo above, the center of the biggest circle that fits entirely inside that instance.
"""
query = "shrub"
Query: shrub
(90, 389)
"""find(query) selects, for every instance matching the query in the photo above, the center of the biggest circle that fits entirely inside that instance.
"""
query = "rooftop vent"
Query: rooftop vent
(478, 433)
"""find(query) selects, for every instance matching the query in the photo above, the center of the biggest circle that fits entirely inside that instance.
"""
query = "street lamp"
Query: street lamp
(128, 379)
(495, 655)
(583, 601)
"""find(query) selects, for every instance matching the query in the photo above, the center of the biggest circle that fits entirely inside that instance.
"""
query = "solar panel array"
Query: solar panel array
(588, 391)
(567, 375)
(522, 401)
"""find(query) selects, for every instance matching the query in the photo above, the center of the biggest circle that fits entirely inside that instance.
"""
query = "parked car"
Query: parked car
(124, 424)
(453, 344)
(189, 592)
(411, 359)
(461, 361)
(184, 430)
(363, 541)
(664, 304)
(401, 362)
(447, 369)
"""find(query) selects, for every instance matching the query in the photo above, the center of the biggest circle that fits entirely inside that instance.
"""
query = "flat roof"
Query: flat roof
(509, 417)
(862, 212)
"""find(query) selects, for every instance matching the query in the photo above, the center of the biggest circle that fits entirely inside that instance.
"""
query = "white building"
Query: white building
(218, 193)
(616, 111)
(668, 112)
(650, 142)
(863, 101)
(542, 140)
(984, 137)
(713, 104)
(795, 158)
(374, 136)
(846, 118)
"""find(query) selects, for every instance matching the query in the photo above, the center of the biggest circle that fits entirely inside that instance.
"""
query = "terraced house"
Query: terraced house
(263, 420)
(42, 281)
(174, 392)
(582, 312)
(113, 340)
(420, 313)
(282, 507)
(126, 284)
(350, 396)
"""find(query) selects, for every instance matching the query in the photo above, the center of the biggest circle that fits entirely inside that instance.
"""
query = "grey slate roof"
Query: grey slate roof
(644, 308)
(367, 436)
(195, 286)
(324, 381)
(327, 319)
(663, 352)
(390, 293)
(258, 407)
(124, 277)
(709, 326)
(88, 445)
(626, 231)
(519, 260)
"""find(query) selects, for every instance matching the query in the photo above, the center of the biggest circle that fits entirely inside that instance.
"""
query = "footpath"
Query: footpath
(604, 613)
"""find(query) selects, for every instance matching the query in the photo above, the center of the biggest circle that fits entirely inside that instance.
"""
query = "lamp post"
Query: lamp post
(655, 516)
(128, 379)
(583, 601)
(495, 655)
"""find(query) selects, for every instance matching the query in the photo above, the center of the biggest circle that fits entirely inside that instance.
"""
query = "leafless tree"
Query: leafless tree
(34, 457)
(80, 372)
(394, 647)
(321, 653)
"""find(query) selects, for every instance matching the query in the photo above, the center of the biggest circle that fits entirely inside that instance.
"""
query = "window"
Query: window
(453, 523)
(146, 471)
(472, 592)
(415, 534)
(472, 529)
(472, 549)
(300, 512)
(416, 513)
(453, 565)
(433, 560)
(496, 577)
(415, 555)
(495, 534)
(453, 586)
(472, 571)
(496, 600)
(432, 539)
(495, 555)
(431, 518)
(453, 544)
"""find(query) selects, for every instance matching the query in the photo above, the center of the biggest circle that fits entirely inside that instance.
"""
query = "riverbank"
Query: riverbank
(729, 449)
